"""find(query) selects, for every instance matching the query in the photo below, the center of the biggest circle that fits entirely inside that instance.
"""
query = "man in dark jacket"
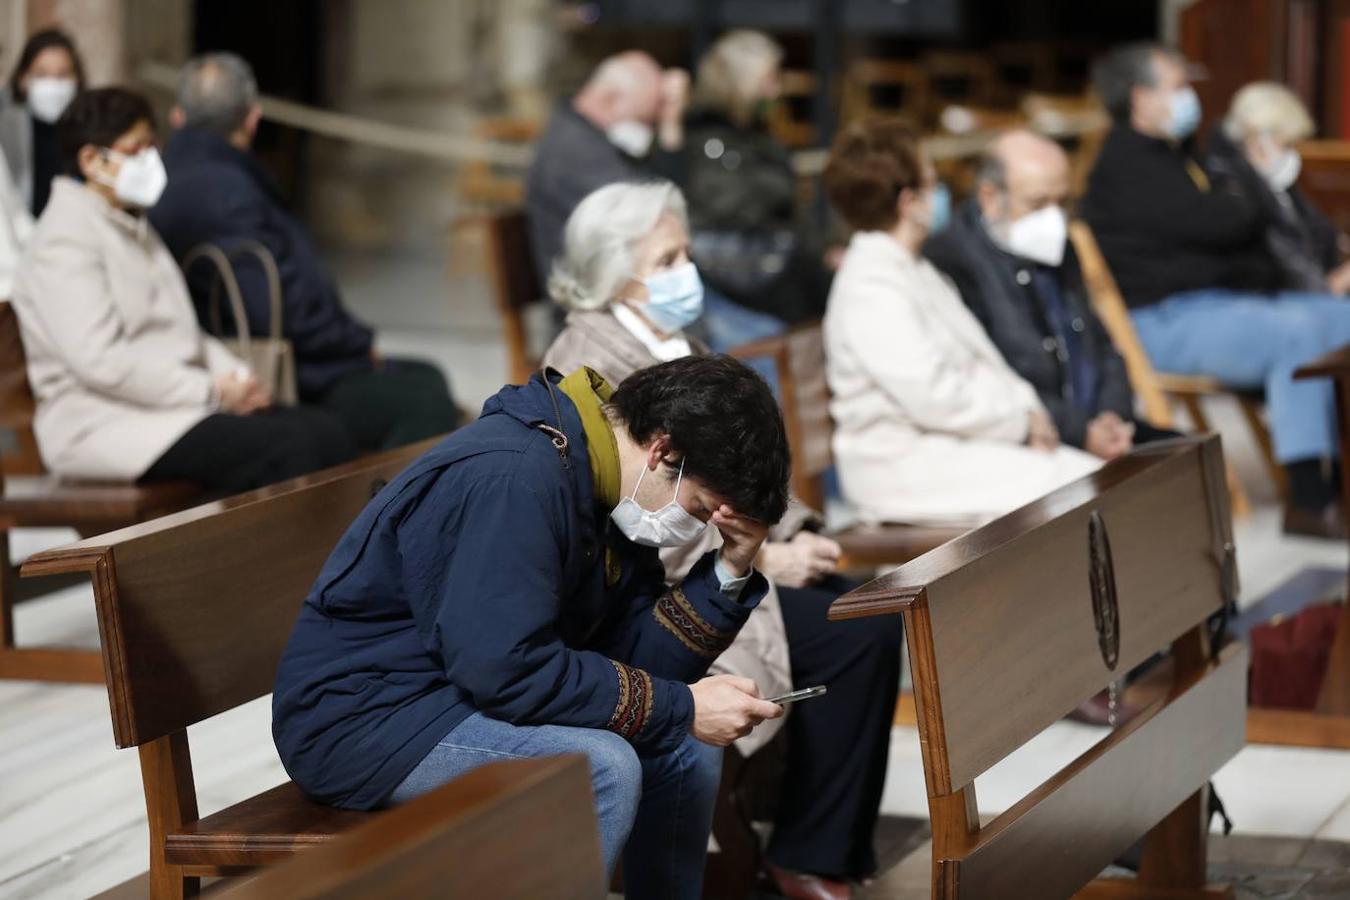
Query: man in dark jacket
(1203, 291)
(217, 193)
(1008, 252)
(503, 597)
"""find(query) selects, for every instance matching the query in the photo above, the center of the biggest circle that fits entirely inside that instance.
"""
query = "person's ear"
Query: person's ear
(91, 162)
(177, 118)
(658, 450)
(252, 120)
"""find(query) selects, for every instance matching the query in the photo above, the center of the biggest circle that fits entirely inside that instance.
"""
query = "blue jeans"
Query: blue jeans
(1256, 341)
(661, 807)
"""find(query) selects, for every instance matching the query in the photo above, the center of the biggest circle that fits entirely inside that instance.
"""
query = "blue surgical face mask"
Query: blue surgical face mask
(674, 298)
(940, 208)
(1185, 113)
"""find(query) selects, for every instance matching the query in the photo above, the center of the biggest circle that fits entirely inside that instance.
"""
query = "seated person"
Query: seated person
(218, 194)
(626, 120)
(16, 225)
(626, 278)
(932, 426)
(1255, 151)
(503, 597)
(127, 386)
(1007, 249)
(46, 78)
(1205, 295)
(747, 238)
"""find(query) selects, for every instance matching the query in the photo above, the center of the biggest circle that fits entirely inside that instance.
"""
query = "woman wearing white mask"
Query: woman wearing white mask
(46, 78)
(932, 425)
(127, 385)
(625, 276)
(1256, 147)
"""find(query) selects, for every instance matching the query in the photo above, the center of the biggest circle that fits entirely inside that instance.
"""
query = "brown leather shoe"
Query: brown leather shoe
(1327, 522)
(801, 886)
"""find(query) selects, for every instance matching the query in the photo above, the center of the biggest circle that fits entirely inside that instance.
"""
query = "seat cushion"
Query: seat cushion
(881, 545)
(261, 830)
(48, 500)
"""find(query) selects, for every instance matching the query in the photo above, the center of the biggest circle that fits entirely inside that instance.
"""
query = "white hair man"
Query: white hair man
(627, 120)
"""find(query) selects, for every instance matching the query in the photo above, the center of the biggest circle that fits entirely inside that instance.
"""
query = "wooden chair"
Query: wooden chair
(194, 610)
(965, 79)
(31, 498)
(1157, 390)
(516, 286)
(804, 394)
(1014, 624)
(789, 119)
(516, 830)
(1325, 179)
(883, 86)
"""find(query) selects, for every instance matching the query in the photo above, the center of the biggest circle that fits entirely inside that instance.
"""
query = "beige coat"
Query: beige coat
(760, 651)
(118, 364)
(929, 418)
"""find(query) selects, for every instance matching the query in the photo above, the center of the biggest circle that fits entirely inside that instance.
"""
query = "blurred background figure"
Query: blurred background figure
(46, 78)
(218, 194)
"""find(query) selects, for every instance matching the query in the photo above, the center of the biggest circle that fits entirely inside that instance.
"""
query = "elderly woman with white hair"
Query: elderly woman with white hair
(747, 237)
(631, 290)
(1256, 148)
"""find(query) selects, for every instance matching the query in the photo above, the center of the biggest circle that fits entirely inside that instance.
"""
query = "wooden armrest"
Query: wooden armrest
(764, 347)
(1200, 385)
(1335, 364)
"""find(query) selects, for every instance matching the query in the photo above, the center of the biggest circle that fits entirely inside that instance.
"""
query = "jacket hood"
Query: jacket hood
(530, 403)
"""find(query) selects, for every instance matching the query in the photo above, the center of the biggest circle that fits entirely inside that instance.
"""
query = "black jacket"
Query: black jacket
(999, 289)
(744, 230)
(219, 194)
(1161, 233)
(1298, 237)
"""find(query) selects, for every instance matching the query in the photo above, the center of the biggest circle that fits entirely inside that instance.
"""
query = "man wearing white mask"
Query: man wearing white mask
(46, 78)
(1007, 250)
(625, 122)
(1206, 294)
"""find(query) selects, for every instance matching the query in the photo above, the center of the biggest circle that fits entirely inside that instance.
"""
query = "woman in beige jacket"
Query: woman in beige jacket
(626, 277)
(127, 385)
(932, 426)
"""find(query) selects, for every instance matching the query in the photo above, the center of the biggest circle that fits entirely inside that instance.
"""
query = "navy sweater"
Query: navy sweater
(476, 581)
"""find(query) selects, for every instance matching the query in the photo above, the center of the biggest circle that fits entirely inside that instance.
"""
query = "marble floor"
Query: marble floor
(72, 821)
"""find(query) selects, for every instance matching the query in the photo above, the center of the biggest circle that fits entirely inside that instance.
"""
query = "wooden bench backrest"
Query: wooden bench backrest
(1325, 178)
(516, 285)
(1014, 624)
(516, 830)
(1110, 307)
(18, 445)
(196, 607)
(804, 394)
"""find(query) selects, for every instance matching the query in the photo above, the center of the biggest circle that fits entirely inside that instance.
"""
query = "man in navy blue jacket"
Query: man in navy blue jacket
(503, 597)
(217, 193)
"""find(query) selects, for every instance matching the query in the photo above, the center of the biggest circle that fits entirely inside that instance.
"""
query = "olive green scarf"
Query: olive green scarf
(589, 393)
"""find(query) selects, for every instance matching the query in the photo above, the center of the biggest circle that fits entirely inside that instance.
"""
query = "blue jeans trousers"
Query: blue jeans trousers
(654, 812)
(1256, 341)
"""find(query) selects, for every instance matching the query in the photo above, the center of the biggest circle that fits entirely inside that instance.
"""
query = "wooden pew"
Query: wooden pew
(194, 610)
(1014, 624)
(1328, 724)
(517, 830)
(516, 286)
(1156, 390)
(32, 498)
(804, 394)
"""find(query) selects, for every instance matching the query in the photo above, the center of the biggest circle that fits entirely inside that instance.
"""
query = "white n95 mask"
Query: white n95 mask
(1039, 236)
(670, 526)
(141, 178)
(48, 97)
(632, 137)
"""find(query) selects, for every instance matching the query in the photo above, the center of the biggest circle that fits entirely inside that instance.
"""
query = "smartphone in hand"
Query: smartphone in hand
(794, 696)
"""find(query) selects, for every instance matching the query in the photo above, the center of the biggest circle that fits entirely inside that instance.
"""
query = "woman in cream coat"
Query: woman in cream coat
(626, 277)
(127, 385)
(932, 426)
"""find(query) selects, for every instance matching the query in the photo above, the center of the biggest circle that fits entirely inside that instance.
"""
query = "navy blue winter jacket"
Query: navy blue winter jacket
(219, 194)
(476, 581)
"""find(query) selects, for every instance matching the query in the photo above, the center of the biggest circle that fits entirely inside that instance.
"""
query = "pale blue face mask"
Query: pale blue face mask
(675, 298)
(1185, 113)
(940, 206)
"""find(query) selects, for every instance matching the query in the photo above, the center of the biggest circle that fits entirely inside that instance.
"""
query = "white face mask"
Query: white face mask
(1039, 236)
(141, 179)
(49, 97)
(670, 526)
(1283, 172)
(632, 137)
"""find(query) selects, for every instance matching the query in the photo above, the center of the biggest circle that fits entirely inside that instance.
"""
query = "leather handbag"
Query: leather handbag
(270, 356)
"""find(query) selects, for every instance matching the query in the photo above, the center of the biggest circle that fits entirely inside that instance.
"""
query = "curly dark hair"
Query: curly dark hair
(722, 419)
(98, 117)
(871, 162)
